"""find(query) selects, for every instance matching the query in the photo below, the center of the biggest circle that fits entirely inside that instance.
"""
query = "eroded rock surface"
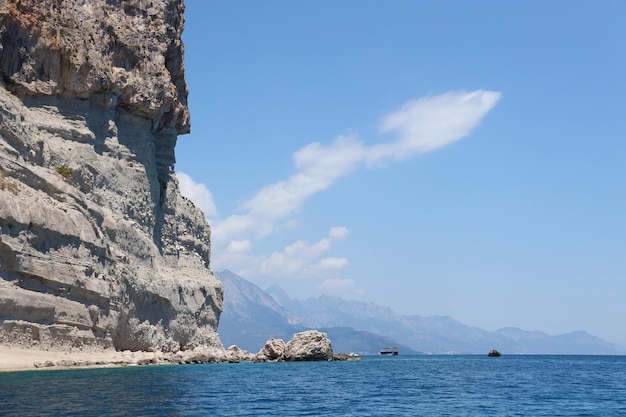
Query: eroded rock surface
(310, 345)
(98, 249)
(273, 350)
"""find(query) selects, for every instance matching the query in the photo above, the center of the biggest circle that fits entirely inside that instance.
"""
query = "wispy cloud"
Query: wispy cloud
(198, 193)
(239, 246)
(420, 126)
(431, 122)
(340, 288)
(417, 127)
(328, 264)
(317, 168)
(300, 259)
(336, 283)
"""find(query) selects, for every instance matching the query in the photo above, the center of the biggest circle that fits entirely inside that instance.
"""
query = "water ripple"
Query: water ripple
(402, 386)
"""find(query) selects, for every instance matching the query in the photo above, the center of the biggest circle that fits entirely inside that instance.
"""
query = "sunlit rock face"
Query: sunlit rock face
(98, 249)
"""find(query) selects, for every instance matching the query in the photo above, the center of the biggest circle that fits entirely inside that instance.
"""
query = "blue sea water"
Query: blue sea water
(375, 386)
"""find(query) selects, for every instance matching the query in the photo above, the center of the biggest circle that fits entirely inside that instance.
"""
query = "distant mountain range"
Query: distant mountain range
(252, 316)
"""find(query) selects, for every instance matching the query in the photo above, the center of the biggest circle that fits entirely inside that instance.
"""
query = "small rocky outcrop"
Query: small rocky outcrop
(310, 345)
(494, 353)
(273, 350)
(346, 357)
(235, 355)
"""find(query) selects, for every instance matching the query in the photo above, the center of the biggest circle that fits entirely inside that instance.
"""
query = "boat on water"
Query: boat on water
(389, 351)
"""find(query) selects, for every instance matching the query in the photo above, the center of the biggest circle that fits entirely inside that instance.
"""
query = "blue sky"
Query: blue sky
(440, 158)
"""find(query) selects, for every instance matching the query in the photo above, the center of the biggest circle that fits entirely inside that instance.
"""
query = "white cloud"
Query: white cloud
(432, 122)
(417, 127)
(338, 232)
(198, 193)
(318, 167)
(331, 264)
(300, 260)
(239, 246)
(420, 126)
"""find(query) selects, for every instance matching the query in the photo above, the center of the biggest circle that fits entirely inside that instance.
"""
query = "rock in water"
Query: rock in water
(494, 353)
(98, 248)
(273, 350)
(310, 345)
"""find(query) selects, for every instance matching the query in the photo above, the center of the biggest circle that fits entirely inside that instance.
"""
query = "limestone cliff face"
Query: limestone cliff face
(97, 246)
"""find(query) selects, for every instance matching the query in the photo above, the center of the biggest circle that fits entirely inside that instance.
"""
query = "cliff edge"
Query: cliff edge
(98, 249)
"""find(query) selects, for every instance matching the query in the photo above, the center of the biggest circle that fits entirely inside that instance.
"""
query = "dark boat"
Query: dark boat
(390, 351)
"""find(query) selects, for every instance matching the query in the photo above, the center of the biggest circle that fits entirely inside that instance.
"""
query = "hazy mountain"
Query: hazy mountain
(283, 299)
(579, 342)
(251, 316)
(355, 326)
(347, 339)
(443, 334)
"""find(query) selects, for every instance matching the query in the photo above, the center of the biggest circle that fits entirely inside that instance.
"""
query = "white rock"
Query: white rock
(310, 345)
(273, 350)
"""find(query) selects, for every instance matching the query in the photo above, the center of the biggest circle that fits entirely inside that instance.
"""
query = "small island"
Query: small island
(494, 353)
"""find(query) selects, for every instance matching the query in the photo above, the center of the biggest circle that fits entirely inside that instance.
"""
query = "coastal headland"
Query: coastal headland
(102, 261)
(305, 346)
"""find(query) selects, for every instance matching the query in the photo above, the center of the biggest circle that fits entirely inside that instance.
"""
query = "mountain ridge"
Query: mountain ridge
(430, 334)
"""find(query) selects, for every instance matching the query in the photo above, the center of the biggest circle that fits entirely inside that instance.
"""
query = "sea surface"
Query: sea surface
(376, 386)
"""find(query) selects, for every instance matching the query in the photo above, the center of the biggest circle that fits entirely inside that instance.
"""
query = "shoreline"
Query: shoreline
(18, 359)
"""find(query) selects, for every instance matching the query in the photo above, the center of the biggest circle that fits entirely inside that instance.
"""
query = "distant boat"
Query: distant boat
(353, 355)
(389, 351)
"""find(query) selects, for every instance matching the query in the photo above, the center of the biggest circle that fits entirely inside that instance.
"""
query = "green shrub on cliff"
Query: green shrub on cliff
(65, 171)
(7, 184)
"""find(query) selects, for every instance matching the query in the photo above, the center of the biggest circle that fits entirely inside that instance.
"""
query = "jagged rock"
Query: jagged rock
(130, 51)
(310, 345)
(98, 249)
(235, 355)
(346, 357)
(272, 351)
(494, 352)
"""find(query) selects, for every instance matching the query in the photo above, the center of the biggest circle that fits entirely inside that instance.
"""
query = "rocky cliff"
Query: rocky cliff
(98, 249)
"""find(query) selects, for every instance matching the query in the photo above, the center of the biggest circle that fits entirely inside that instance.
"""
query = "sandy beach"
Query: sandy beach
(20, 359)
